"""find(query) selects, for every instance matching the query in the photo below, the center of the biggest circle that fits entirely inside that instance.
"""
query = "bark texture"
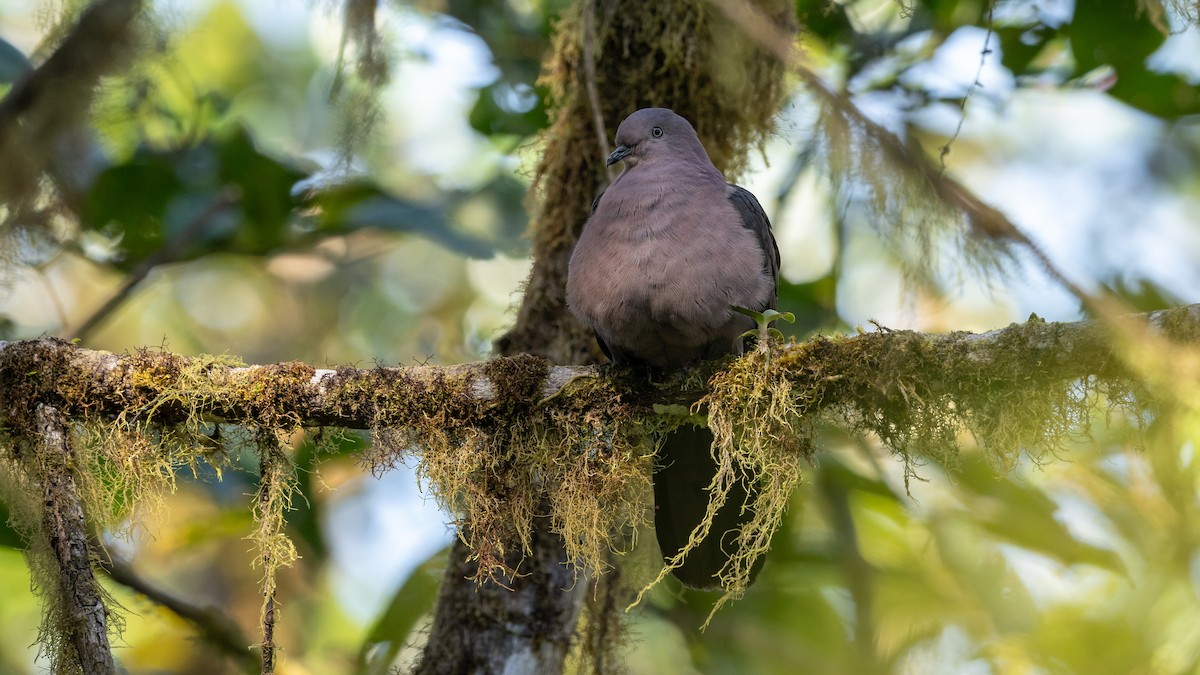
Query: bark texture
(146, 385)
(81, 602)
(526, 628)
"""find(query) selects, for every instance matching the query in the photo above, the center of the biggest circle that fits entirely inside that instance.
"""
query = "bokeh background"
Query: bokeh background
(384, 224)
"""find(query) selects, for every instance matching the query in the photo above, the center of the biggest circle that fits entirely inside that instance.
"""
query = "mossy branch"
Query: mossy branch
(75, 604)
(164, 388)
(506, 442)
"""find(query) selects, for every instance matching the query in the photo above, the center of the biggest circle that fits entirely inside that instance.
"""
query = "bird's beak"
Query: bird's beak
(619, 154)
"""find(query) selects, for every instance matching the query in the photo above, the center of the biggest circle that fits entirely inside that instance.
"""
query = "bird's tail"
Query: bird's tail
(681, 478)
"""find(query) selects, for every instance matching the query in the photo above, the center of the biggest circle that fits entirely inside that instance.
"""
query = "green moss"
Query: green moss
(1015, 394)
(276, 487)
(517, 379)
(277, 396)
(499, 463)
(760, 431)
(580, 460)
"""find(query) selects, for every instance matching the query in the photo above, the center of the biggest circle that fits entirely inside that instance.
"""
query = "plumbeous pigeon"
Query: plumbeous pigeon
(670, 246)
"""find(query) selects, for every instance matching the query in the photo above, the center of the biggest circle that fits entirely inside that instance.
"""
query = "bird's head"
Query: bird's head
(653, 132)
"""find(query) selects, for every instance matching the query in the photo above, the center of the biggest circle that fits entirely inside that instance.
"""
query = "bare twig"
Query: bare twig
(51, 291)
(83, 611)
(962, 105)
(174, 248)
(215, 627)
(589, 80)
(984, 219)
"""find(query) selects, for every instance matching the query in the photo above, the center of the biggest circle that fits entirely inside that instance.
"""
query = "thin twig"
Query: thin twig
(589, 81)
(215, 627)
(170, 251)
(986, 220)
(962, 105)
(55, 300)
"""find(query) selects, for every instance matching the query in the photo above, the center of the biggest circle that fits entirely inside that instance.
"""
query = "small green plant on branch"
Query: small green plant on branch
(764, 333)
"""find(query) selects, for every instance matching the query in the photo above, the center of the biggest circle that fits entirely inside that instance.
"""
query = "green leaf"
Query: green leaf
(133, 199)
(1020, 45)
(154, 199)
(266, 187)
(772, 315)
(1120, 34)
(494, 112)
(758, 317)
(410, 602)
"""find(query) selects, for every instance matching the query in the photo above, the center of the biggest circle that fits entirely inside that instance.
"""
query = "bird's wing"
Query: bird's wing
(754, 218)
(599, 340)
(596, 202)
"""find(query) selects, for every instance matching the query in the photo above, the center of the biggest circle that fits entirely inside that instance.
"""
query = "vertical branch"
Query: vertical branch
(268, 609)
(80, 599)
(275, 549)
(489, 628)
(589, 80)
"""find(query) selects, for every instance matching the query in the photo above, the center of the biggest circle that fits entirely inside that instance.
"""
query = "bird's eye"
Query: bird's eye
(656, 132)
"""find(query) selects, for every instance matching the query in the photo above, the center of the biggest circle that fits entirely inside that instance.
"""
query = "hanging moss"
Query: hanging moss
(493, 462)
(492, 447)
(1021, 392)
(678, 54)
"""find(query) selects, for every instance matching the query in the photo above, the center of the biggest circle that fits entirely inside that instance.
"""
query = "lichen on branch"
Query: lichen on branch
(505, 442)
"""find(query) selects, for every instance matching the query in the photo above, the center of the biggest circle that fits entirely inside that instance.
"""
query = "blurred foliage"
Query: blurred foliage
(1085, 564)
(149, 201)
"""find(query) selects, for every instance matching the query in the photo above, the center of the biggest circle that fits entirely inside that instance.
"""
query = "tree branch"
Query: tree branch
(166, 388)
(82, 611)
(216, 628)
(902, 385)
(51, 99)
(986, 222)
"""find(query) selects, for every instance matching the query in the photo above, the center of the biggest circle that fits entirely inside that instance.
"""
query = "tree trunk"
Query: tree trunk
(488, 628)
(610, 58)
(81, 605)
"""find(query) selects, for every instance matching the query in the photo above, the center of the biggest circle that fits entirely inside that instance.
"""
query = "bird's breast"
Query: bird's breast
(657, 268)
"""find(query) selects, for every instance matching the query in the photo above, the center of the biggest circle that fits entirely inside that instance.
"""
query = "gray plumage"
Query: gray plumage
(669, 247)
